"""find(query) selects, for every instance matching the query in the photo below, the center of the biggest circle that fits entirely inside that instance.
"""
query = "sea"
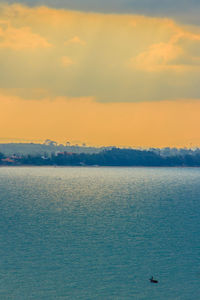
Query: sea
(99, 233)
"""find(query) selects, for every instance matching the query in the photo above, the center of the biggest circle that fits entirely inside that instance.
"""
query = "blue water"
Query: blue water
(99, 233)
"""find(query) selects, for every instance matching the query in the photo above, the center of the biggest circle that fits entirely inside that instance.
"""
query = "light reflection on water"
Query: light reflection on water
(99, 233)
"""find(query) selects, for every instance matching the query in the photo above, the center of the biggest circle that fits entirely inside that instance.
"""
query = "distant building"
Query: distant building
(8, 160)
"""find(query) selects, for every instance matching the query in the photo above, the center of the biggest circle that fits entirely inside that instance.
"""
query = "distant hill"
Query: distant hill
(45, 149)
(49, 147)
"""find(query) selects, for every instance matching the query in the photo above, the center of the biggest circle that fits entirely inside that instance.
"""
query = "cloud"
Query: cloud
(67, 61)
(158, 57)
(170, 55)
(181, 10)
(75, 40)
(20, 38)
(125, 58)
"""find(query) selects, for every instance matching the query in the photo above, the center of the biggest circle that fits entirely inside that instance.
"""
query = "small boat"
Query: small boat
(153, 280)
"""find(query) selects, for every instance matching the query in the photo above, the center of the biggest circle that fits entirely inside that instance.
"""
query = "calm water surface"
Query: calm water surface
(99, 233)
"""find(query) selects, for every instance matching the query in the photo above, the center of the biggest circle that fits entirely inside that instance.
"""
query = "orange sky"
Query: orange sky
(154, 124)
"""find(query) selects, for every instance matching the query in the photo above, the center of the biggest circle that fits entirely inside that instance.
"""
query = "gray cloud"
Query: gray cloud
(181, 10)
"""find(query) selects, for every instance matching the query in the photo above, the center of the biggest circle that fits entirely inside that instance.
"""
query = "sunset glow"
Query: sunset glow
(100, 78)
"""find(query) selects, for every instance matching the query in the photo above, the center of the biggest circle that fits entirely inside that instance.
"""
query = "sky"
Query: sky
(121, 73)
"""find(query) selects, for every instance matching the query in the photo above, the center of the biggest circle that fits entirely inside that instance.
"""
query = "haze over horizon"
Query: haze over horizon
(79, 144)
(123, 73)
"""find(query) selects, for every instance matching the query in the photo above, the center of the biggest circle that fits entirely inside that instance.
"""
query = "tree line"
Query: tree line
(112, 157)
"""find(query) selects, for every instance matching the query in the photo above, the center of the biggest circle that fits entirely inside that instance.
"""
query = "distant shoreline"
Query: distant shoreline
(92, 167)
(114, 157)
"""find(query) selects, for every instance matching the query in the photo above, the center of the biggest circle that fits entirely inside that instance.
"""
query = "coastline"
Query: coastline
(88, 166)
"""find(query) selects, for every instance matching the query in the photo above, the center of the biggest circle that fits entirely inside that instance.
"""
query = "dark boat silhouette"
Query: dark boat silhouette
(153, 280)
